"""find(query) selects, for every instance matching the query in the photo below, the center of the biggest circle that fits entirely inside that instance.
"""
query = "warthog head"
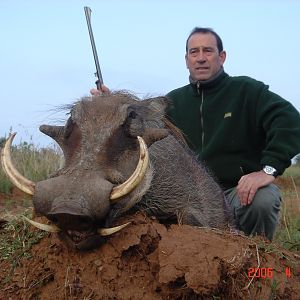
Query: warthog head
(104, 143)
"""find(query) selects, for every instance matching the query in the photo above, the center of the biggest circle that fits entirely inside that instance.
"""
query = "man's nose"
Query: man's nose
(201, 57)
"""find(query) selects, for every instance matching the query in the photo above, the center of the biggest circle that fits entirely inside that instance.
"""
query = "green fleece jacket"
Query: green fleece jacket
(236, 125)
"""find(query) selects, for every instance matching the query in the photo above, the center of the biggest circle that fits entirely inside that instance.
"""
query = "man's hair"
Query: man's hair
(206, 30)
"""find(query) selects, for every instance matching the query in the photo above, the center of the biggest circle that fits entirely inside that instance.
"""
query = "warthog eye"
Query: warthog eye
(132, 115)
(133, 125)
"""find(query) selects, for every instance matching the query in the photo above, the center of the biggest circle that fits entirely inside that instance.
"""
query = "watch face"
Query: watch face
(269, 170)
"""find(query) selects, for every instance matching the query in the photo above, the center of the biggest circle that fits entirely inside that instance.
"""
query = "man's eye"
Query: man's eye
(208, 50)
(193, 52)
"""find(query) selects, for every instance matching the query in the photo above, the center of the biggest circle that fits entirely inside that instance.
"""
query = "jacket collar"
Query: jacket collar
(212, 82)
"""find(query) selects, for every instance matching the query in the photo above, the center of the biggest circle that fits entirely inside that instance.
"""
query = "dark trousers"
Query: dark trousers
(259, 217)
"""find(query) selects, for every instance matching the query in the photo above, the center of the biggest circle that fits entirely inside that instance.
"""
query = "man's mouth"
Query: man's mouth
(202, 68)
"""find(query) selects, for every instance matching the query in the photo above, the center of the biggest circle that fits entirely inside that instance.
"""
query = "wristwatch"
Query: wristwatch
(270, 170)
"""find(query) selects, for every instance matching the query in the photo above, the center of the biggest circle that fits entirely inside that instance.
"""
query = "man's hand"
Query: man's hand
(103, 89)
(250, 183)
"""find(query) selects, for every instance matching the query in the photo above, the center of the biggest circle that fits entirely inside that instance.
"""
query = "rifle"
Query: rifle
(98, 73)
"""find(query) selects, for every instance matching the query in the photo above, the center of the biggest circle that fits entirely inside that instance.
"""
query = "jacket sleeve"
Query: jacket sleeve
(280, 121)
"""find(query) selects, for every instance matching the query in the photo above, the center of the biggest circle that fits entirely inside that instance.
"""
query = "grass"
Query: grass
(5, 185)
(292, 171)
(288, 231)
(16, 240)
(33, 162)
(17, 237)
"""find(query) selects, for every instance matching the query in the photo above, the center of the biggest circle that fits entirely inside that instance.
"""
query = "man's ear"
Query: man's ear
(186, 60)
(222, 57)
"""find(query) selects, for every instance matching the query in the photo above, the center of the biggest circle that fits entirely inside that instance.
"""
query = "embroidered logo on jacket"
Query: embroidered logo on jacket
(228, 115)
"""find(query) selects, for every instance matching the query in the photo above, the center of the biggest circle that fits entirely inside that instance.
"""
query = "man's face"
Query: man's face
(203, 58)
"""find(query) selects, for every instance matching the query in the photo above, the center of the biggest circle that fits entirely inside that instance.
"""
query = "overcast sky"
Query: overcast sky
(46, 59)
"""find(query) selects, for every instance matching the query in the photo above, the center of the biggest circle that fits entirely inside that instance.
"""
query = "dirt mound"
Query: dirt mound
(148, 260)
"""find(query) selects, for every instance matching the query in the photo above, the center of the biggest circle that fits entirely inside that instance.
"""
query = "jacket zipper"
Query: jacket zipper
(201, 112)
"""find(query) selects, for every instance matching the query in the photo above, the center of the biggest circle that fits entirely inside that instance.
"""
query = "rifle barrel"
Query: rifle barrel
(98, 73)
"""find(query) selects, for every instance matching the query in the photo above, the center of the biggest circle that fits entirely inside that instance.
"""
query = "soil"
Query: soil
(148, 260)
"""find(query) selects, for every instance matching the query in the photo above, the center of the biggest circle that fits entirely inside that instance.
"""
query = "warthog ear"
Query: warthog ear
(146, 114)
(146, 119)
(160, 106)
(55, 132)
(68, 137)
(157, 105)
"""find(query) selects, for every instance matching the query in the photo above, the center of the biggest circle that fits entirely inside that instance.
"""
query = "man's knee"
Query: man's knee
(261, 216)
(267, 200)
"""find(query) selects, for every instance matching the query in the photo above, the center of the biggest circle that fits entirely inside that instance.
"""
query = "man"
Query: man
(245, 134)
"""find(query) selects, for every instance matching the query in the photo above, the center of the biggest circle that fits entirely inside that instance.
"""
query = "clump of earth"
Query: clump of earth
(148, 260)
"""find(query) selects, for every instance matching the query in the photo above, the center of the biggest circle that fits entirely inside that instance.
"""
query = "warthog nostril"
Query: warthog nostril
(72, 221)
(53, 219)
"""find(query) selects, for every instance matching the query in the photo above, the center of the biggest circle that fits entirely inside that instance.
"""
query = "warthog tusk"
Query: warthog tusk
(136, 177)
(24, 184)
(109, 231)
(45, 227)
(55, 229)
